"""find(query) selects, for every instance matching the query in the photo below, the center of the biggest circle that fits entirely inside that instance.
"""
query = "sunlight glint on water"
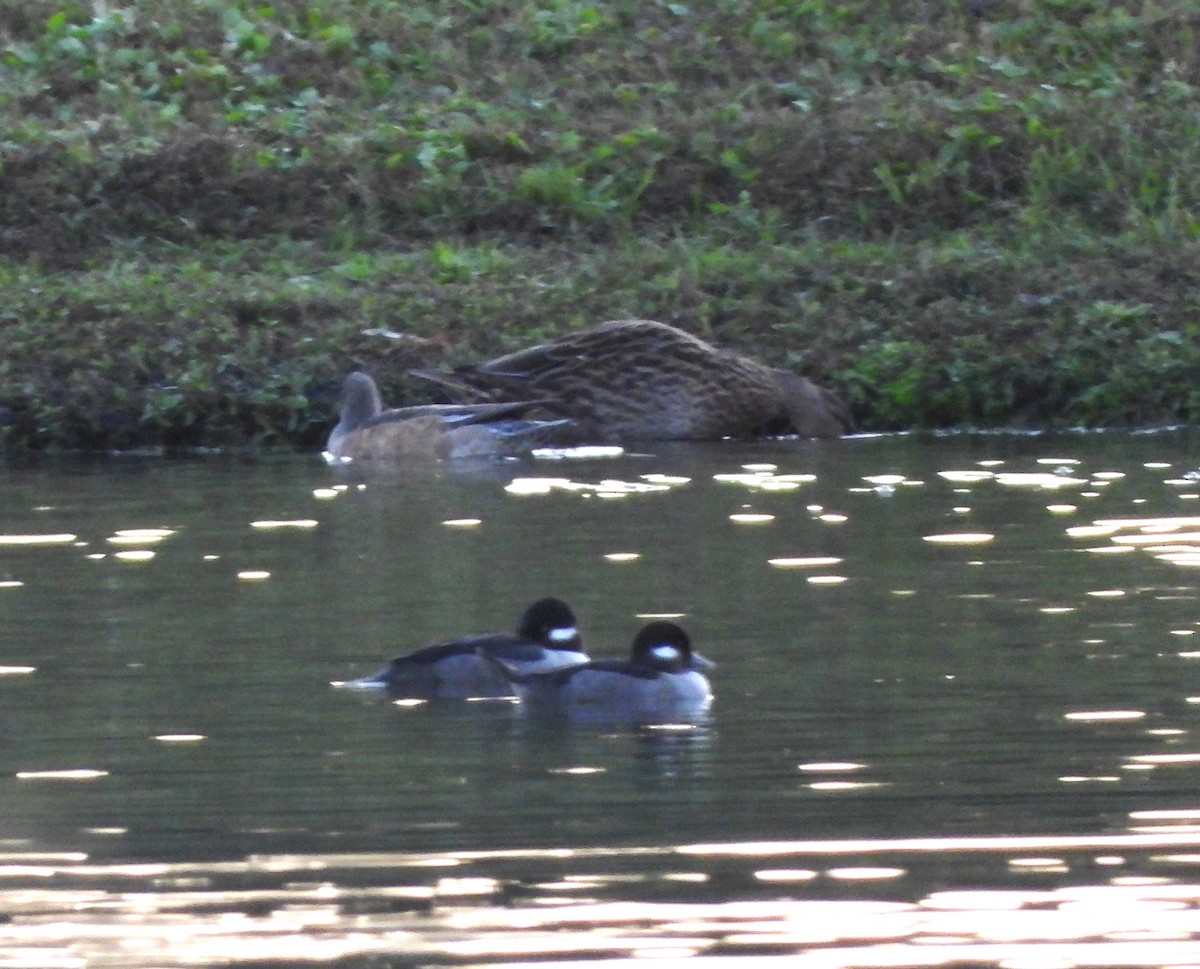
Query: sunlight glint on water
(977, 749)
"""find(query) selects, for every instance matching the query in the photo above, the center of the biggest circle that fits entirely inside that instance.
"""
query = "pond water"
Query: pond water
(955, 715)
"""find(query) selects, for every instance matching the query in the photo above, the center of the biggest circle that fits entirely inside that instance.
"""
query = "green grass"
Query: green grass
(976, 214)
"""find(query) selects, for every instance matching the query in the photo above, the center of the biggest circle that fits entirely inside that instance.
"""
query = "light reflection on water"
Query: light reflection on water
(949, 726)
(692, 900)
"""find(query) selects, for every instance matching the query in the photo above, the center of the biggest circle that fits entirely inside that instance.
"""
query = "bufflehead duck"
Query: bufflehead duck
(546, 639)
(661, 681)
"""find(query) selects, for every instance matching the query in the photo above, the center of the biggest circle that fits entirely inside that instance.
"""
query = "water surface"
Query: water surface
(954, 718)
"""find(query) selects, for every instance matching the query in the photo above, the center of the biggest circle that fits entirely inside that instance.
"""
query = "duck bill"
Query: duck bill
(699, 662)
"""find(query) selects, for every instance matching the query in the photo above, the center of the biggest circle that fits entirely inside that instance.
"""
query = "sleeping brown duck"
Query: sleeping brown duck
(642, 380)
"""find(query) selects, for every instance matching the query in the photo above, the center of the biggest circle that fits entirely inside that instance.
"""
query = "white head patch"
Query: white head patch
(564, 634)
(667, 654)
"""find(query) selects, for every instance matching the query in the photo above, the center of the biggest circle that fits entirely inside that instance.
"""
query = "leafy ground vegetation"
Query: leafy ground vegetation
(957, 213)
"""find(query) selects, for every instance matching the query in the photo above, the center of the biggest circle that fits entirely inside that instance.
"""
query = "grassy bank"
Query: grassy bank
(955, 214)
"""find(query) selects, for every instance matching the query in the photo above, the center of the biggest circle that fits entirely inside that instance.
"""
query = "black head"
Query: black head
(550, 622)
(663, 646)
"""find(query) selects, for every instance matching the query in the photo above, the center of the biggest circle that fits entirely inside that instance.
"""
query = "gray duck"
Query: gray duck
(434, 432)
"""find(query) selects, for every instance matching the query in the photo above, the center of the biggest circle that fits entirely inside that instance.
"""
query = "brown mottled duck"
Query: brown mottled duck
(642, 380)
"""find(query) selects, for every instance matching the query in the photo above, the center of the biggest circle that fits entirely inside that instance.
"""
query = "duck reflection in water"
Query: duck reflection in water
(546, 639)
(662, 682)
